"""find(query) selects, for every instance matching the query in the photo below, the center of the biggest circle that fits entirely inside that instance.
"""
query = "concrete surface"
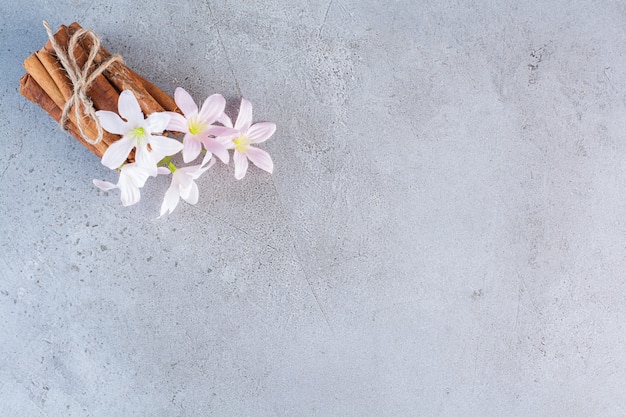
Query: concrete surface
(444, 235)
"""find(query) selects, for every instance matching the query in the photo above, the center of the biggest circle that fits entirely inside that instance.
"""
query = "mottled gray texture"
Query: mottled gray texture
(444, 234)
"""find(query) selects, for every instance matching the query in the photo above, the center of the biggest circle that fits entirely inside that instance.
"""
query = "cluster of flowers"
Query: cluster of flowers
(153, 152)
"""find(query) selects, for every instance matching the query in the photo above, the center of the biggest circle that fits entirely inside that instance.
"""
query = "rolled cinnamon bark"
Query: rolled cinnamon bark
(47, 85)
(52, 78)
(121, 77)
(103, 95)
(30, 89)
(56, 72)
(159, 95)
(38, 72)
(130, 78)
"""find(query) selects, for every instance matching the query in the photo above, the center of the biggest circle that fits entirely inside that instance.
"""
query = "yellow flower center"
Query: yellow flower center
(139, 134)
(195, 126)
(242, 143)
(139, 131)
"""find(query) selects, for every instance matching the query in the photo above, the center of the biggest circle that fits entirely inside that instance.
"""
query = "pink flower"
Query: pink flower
(247, 135)
(197, 125)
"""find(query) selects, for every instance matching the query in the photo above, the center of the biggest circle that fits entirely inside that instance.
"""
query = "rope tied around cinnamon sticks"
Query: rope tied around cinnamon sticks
(81, 78)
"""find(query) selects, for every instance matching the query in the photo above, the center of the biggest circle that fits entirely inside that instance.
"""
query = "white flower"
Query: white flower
(138, 133)
(183, 184)
(132, 178)
(247, 134)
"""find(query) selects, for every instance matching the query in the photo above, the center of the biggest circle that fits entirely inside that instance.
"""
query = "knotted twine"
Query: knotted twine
(81, 78)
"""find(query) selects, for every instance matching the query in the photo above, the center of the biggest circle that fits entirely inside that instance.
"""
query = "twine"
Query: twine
(81, 78)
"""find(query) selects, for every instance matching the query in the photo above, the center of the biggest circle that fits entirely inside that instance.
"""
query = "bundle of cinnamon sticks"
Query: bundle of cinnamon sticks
(46, 83)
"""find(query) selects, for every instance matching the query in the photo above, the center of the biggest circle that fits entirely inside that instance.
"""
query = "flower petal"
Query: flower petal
(129, 191)
(129, 109)
(111, 122)
(212, 108)
(144, 160)
(227, 141)
(130, 195)
(192, 148)
(117, 152)
(157, 122)
(241, 164)
(135, 173)
(217, 131)
(191, 194)
(185, 102)
(183, 178)
(171, 199)
(216, 148)
(208, 159)
(194, 172)
(163, 146)
(260, 132)
(177, 123)
(225, 120)
(195, 175)
(260, 158)
(244, 118)
(104, 185)
(163, 171)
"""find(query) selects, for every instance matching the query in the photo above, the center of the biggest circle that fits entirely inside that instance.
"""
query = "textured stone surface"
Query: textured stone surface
(444, 234)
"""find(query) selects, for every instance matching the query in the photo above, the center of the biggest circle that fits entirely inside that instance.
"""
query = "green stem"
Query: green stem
(163, 162)
(166, 162)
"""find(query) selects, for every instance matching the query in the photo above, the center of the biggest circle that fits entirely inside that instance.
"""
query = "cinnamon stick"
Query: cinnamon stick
(38, 72)
(56, 72)
(166, 101)
(47, 85)
(30, 89)
(121, 77)
(103, 95)
(50, 75)
(129, 78)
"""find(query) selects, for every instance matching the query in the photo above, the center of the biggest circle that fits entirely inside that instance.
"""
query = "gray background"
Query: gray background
(444, 233)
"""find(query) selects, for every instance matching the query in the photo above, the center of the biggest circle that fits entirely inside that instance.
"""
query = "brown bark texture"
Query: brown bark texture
(47, 84)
